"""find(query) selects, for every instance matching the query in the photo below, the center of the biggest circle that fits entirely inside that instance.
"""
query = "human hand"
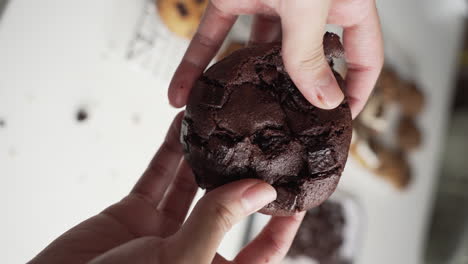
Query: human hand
(147, 225)
(301, 25)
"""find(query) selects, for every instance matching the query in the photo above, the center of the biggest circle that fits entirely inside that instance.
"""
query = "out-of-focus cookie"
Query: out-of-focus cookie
(373, 116)
(182, 16)
(377, 118)
(411, 99)
(393, 167)
(383, 161)
(363, 153)
(321, 236)
(409, 135)
(388, 84)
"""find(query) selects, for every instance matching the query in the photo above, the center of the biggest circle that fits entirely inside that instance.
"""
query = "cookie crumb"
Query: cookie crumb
(81, 115)
(183, 11)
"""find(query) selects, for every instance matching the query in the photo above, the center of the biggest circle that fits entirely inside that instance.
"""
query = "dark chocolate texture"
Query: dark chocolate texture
(246, 119)
(320, 235)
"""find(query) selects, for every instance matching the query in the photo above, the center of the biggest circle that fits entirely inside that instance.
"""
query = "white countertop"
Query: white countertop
(59, 55)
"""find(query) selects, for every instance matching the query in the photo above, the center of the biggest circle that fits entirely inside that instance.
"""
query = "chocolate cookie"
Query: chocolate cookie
(394, 166)
(388, 84)
(412, 99)
(246, 119)
(409, 135)
(321, 235)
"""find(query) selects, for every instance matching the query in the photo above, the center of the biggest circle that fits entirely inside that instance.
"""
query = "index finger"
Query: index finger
(161, 170)
(303, 23)
(206, 42)
(273, 242)
(364, 56)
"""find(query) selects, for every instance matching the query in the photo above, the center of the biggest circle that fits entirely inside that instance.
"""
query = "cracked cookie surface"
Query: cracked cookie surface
(246, 119)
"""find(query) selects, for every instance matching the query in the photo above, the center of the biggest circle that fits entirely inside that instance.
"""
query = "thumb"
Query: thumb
(303, 26)
(214, 215)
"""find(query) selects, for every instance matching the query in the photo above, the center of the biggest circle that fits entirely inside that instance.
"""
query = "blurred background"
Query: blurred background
(83, 108)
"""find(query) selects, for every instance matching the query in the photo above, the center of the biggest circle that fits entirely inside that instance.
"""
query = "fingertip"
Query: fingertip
(320, 88)
(267, 187)
(257, 196)
(330, 96)
(182, 82)
(178, 102)
(176, 95)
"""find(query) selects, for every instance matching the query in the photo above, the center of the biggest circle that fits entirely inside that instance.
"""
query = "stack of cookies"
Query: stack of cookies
(386, 130)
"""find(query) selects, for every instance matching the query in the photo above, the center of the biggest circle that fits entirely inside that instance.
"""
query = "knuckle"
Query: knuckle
(361, 4)
(360, 9)
(224, 217)
(223, 8)
(219, 3)
(363, 8)
(169, 213)
(312, 61)
(277, 245)
(184, 185)
(203, 40)
(171, 143)
(157, 168)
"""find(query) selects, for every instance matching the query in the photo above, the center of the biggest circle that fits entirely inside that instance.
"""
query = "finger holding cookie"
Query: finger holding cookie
(302, 25)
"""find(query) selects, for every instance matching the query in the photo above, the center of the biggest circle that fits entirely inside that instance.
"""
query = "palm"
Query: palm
(131, 218)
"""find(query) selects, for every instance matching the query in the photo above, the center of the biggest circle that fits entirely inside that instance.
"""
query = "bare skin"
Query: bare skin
(147, 226)
(300, 24)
